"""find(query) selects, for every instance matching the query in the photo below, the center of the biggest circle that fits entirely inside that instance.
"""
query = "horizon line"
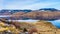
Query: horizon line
(25, 9)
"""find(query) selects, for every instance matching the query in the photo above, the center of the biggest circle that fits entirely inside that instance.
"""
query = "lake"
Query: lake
(54, 22)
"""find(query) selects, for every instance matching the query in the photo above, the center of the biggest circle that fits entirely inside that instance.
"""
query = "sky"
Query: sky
(29, 4)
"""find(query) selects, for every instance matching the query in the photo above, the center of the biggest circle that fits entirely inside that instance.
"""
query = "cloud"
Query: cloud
(39, 5)
(30, 4)
(13, 4)
(1, 4)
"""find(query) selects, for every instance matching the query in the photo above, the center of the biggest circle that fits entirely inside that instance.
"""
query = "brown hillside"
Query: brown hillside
(37, 15)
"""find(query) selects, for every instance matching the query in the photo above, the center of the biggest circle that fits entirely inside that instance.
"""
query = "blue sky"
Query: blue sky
(29, 4)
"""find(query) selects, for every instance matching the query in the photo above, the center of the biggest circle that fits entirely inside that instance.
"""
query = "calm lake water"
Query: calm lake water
(54, 22)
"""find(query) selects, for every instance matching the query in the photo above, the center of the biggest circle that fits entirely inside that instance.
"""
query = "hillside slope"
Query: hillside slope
(37, 15)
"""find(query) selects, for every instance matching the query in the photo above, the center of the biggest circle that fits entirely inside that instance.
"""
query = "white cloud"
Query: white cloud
(1, 4)
(39, 5)
(29, 4)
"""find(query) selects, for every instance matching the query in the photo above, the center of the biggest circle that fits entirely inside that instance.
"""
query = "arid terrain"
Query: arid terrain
(37, 15)
(39, 27)
(42, 14)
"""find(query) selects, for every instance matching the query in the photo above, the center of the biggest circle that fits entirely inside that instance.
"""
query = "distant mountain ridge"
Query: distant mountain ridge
(50, 9)
(41, 14)
(26, 10)
(13, 11)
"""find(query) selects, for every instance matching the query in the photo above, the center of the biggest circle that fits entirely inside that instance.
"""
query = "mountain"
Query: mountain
(42, 27)
(27, 10)
(37, 15)
(41, 14)
(5, 12)
(48, 9)
(13, 11)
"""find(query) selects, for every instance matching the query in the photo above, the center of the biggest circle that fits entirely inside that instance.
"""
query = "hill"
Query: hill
(37, 15)
(41, 14)
(40, 27)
